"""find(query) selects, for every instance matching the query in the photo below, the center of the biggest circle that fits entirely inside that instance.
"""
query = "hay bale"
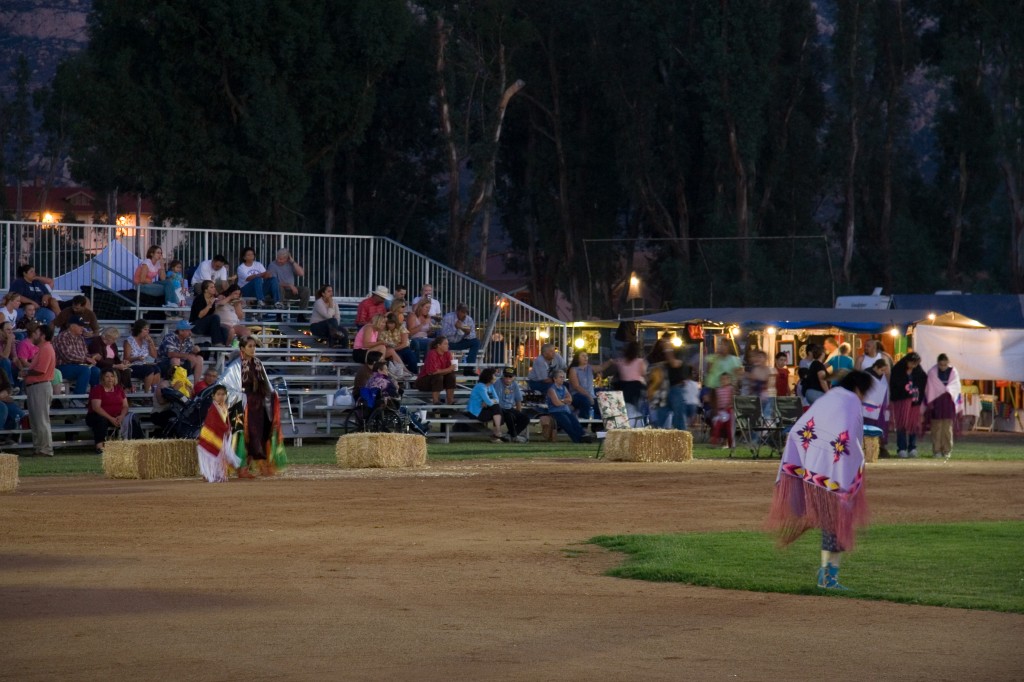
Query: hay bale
(8, 473)
(872, 446)
(150, 459)
(381, 450)
(649, 445)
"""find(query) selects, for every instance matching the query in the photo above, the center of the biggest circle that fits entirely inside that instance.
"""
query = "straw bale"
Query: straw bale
(381, 450)
(150, 459)
(649, 445)
(872, 446)
(8, 473)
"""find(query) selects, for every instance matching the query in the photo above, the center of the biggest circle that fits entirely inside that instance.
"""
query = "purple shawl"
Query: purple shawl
(821, 477)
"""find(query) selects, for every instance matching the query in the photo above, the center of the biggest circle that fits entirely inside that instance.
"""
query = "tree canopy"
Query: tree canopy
(749, 152)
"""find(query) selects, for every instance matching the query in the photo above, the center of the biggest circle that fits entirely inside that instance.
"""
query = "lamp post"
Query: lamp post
(634, 292)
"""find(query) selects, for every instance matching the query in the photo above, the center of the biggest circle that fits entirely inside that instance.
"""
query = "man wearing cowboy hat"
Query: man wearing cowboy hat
(372, 305)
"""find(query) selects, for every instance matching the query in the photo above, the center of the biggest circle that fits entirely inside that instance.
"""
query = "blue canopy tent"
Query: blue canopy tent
(856, 321)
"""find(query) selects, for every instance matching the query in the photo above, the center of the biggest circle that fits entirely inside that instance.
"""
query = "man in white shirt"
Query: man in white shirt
(214, 270)
(427, 291)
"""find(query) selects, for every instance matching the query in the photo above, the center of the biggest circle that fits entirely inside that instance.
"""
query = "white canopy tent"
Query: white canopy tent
(983, 354)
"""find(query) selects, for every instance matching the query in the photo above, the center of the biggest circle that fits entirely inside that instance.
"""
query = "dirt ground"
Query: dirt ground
(459, 571)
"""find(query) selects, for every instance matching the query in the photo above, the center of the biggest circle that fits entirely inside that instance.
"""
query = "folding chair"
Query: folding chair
(750, 422)
(613, 415)
(788, 409)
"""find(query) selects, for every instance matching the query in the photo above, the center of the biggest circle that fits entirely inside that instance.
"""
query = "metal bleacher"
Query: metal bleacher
(99, 260)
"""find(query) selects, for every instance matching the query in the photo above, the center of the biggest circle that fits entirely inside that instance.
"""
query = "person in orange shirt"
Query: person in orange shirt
(39, 391)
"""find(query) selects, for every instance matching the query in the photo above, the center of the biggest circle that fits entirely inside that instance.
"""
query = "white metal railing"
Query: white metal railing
(352, 264)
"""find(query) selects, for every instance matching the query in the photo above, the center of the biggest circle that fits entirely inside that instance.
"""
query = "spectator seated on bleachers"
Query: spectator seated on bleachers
(204, 317)
(7, 350)
(372, 305)
(325, 323)
(214, 270)
(178, 349)
(103, 347)
(287, 271)
(80, 307)
(231, 315)
(151, 278)
(10, 413)
(74, 361)
(140, 353)
(9, 311)
(256, 282)
(420, 324)
(369, 339)
(460, 330)
(108, 408)
(35, 289)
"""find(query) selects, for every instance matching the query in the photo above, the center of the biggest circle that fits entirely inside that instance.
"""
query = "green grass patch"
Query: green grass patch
(962, 565)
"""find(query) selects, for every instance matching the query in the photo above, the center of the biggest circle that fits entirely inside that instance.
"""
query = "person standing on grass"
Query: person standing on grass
(907, 383)
(214, 444)
(945, 405)
(39, 391)
(820, 483)
(257, 432)
(484, 405)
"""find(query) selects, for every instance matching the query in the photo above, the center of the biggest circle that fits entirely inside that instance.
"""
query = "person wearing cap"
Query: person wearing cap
(256, 281)
(178, 348)
(80, 307)
(287, 272)
(74, 361)
(373, 305)
(460, 330)
(510, 397)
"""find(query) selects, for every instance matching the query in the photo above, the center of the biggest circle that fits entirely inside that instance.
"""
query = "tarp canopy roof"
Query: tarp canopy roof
(850, 320)
(999, 311)
(112, 268)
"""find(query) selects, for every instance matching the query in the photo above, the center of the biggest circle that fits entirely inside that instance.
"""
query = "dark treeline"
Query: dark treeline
(886, 134)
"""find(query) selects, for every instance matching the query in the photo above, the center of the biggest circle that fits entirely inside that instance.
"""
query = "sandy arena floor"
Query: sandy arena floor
(458, 572)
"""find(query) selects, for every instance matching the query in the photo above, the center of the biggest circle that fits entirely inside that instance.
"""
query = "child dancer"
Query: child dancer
(214, 446)
(721, 424)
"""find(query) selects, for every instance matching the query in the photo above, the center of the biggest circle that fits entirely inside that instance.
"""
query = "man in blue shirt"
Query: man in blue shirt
(460, 331)
(33, 289)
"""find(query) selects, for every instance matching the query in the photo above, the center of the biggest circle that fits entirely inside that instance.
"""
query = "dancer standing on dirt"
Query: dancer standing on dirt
(258, 425)
(821, 476)
(214, 446)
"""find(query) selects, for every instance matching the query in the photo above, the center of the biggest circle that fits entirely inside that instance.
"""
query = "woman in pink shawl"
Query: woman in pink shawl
(945, 404)
(821, 476)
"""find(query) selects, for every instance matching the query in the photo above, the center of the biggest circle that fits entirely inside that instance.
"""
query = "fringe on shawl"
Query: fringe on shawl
(799, 505)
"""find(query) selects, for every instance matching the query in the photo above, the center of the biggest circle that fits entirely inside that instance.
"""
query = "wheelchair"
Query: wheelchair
(373, 413)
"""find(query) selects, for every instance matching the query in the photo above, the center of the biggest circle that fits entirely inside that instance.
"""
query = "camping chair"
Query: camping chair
(613, 415)
(986, 414)
(749, 422)
(788, 409)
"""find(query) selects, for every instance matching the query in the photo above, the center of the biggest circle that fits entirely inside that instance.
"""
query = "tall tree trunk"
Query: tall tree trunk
(958, 220)
(850, 212)
(330, 202)
(448, 133)
(485, 234)
(350, 194)
(1013, 193)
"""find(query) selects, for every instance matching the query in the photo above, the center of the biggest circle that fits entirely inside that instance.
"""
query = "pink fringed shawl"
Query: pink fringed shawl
(821, 477)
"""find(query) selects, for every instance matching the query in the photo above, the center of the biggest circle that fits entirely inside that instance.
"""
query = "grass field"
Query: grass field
(965, 565)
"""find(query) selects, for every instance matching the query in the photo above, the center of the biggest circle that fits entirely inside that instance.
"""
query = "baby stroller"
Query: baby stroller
(189, 415)
(373, 413)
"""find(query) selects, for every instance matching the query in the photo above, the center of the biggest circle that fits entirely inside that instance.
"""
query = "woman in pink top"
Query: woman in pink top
(368, 339)
(632, 371)
(151, 277)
